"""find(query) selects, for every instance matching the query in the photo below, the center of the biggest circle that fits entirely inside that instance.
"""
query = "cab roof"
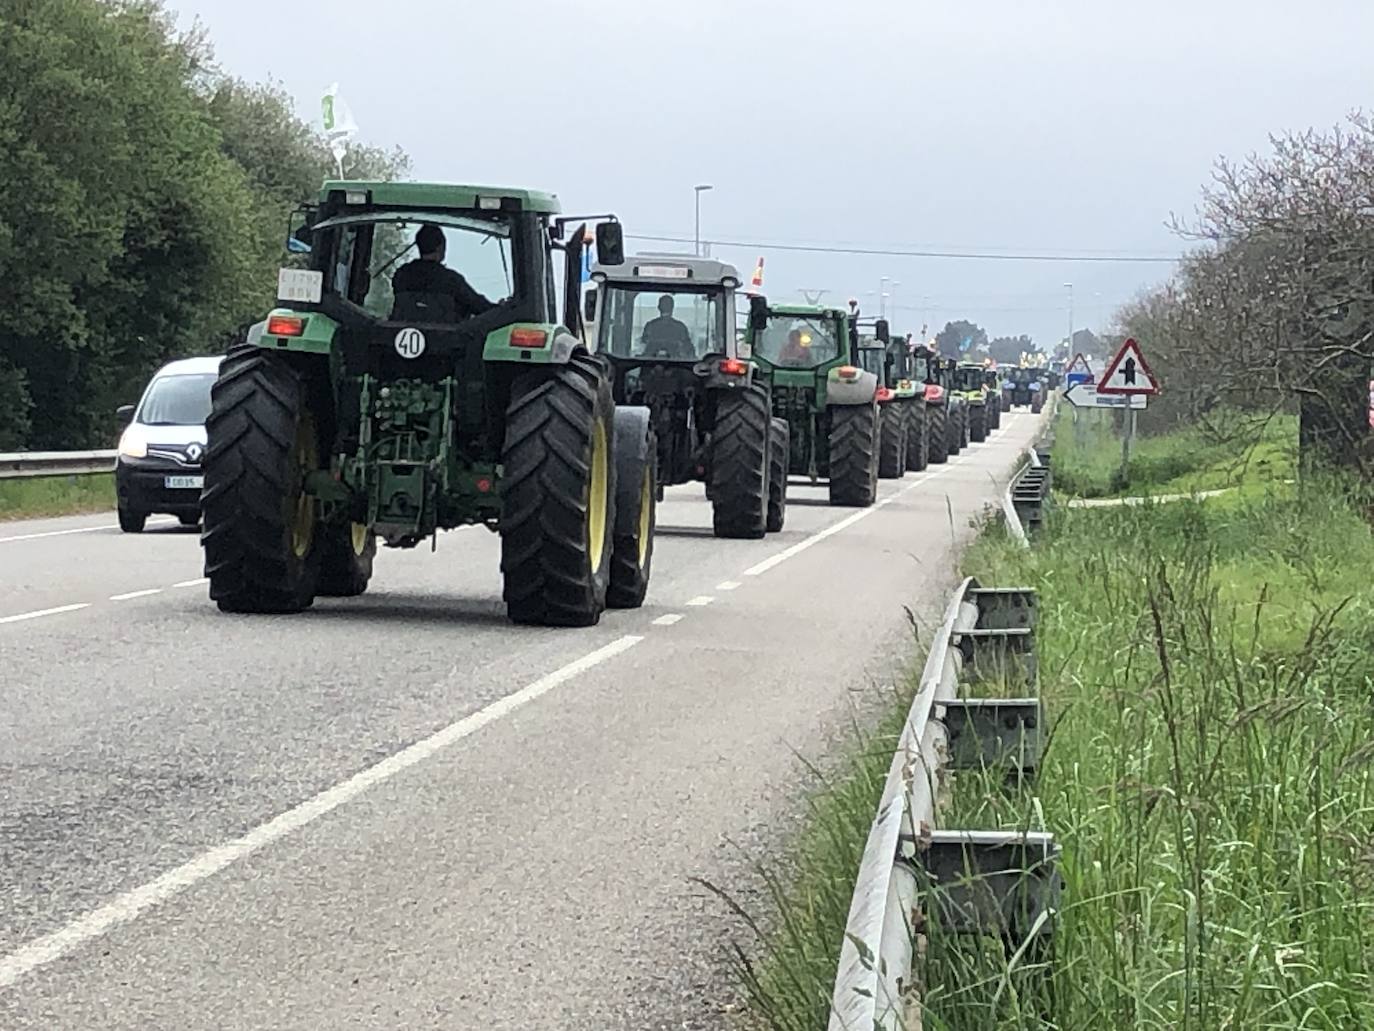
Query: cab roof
(443, 195)
(674, 269)
(805, 309)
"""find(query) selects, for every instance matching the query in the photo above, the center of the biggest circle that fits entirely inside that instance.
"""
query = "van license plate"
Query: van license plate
(185, 482)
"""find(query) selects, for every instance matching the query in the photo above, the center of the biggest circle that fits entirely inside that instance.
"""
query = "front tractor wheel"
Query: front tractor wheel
(739, 464)
(854, 455)
(892, 449)
(261, 552)
(347, 552)
(916, 438)
(636, 508)
(558, 495)
(779, 451)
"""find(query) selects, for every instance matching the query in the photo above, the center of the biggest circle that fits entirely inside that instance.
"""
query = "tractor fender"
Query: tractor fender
(860, 390)
(316, 334)
(557, 348)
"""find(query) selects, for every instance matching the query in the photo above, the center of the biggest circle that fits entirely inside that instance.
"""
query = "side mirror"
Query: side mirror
(300, 236)
(589, 306)
(125, 414)
(881, 331)
(610, 243)
(758, 314)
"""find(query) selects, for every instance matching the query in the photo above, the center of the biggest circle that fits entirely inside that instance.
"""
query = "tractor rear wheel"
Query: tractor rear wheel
(937, 434)
(854, 440)
(916, 437)
(739, 463)
(954, 431)
(892, 445)
(977, 423)
(1037, 403)
(261, 549)
(347, 551)
(636, 508)
(779, 451)
(558, 495)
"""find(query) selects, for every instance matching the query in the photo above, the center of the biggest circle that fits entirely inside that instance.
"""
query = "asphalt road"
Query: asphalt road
(400, 811)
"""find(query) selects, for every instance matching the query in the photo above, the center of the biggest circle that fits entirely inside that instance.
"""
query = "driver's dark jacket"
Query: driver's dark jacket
(432, 277)
(666, 333)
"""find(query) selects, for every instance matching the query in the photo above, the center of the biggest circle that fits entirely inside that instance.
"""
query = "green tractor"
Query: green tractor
(389, 400)
(830, 404)
(992, 385)
(666, 323)
(969, 384)
(946, 409)
(901, 405)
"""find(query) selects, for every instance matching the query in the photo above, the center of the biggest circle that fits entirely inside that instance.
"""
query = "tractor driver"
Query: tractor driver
(797, 350)
(667, 335)
(427, 274)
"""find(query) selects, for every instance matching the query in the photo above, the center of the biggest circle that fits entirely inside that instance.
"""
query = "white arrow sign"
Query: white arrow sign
(1085, 395)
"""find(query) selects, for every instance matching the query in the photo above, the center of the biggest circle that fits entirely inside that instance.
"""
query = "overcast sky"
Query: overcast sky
(1045, 126)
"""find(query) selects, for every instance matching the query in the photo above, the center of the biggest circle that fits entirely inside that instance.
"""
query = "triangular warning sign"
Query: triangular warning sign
(1079, 364)
(1127, 373)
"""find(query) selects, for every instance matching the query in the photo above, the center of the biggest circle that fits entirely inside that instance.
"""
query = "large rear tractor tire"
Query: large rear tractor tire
(558, 495)
(954, 431)
(636, 508)
(892, 442)
(347, 551)
(779, 450)
(262, 551)
(916, 456)
(854, 440)
(977, 423)
(1037, 403)
(739, 464)
(937, 434)
(995, 408)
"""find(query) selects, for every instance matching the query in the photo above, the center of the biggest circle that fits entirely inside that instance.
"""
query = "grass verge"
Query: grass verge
(39, 496)
(1207, 670)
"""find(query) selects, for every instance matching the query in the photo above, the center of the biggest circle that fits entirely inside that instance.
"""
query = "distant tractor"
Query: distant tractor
(901, 405)
(828, 401)
(993, 388)
(1023, 386)
(666, 323)
(945, 409)
(969, 384)
(385, 400)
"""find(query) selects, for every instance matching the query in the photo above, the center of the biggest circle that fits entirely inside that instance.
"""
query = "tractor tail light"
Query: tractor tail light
(285, 326)
(733, 367)
(848, 372)
(528, 338)
(884, 394)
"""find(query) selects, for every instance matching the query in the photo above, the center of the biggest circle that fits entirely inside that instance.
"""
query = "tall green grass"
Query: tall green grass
(33, 497)
(1236, 450)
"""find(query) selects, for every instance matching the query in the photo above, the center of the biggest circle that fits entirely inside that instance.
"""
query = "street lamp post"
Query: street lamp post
(1069, 288)
(698, 191)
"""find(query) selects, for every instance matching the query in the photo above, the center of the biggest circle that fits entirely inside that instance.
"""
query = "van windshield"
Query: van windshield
(177, 401)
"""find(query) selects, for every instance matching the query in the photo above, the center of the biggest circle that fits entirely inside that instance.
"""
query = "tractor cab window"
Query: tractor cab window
(871, 358)
(467, 267)
(798, 342)
(654, 322)
(920, 368)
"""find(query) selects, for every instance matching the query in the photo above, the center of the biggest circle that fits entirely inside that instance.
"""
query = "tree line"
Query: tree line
(1273, 309)
(145, 202)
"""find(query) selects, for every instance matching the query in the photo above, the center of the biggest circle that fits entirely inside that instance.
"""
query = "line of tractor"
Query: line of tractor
(381, 402)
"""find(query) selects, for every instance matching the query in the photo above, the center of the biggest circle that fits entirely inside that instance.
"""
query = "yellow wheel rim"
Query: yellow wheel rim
(597, 502)
(359, 534)
(303, 508)
(646, 499)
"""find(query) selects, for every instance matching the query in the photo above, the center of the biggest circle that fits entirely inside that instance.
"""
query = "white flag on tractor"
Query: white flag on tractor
(339, 126)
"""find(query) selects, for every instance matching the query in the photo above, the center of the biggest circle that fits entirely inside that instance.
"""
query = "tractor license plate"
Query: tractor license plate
(184, 482)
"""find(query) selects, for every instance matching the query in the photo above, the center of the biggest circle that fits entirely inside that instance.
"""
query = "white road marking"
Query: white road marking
(132, 904)
(701, 599)
(728, 585)
(44, 612)
(135, 594)
(193, 583)
(669, 619)
(820, 535)
(79, 529)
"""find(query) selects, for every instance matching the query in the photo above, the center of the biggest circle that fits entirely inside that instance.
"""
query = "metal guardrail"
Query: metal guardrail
(1023, 504)
(22, 464)
(984, 882)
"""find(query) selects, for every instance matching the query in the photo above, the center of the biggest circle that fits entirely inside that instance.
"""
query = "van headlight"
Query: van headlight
(133, 444)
